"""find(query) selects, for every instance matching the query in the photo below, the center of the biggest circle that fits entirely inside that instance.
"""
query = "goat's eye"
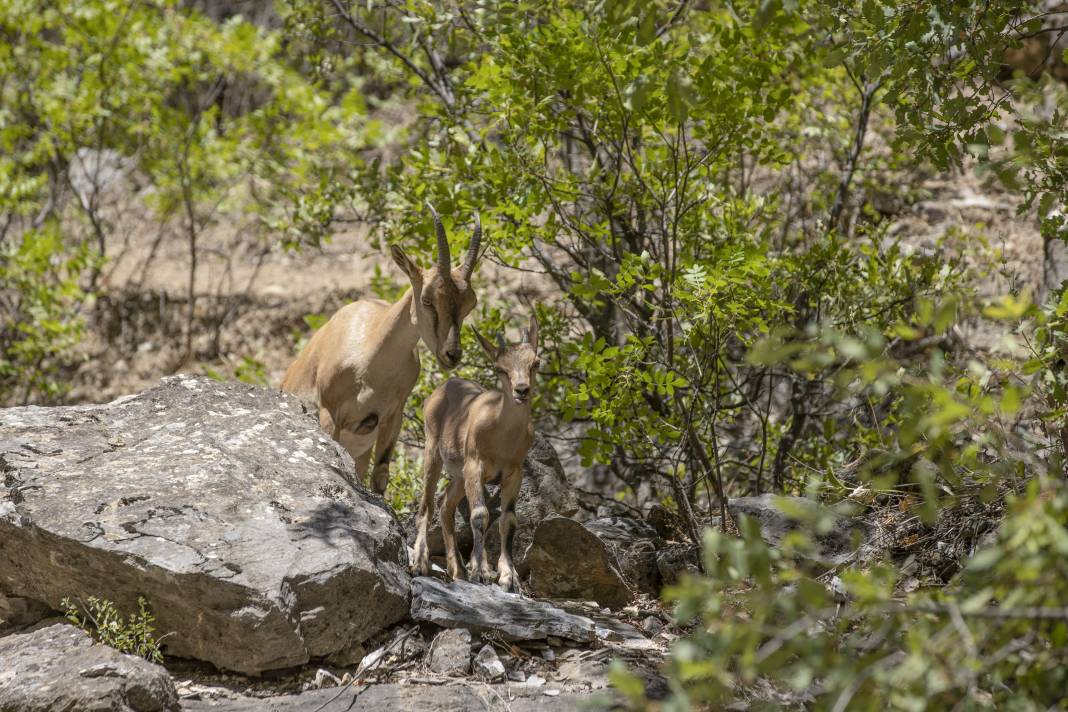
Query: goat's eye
(427, 303)
(535, 366)
(501, 372)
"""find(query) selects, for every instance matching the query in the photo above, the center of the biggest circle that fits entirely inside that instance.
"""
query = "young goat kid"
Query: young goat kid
(479, 436)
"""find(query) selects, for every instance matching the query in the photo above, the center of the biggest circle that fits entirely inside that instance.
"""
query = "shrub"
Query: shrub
(41, 318)
(100, 619)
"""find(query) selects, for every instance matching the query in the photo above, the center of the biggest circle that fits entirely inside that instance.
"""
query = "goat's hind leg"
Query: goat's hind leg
(431, 475)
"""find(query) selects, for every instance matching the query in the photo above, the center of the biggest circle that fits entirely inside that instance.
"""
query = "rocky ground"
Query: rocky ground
(277, 582)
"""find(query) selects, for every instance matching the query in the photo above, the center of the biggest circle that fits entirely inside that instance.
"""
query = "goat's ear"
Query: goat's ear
(489, 348)
(532, 333)
(404, 262)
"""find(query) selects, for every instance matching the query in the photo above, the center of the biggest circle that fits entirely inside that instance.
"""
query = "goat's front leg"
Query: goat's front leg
(476, 567)
(507, 578)
(357, 443)
(453, 495)
(363, 462)
(431, 474)
(384, 444)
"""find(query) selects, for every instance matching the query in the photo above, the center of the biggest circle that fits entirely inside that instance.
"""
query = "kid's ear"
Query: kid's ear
(532, 333)
(489, 348)
(405, 263)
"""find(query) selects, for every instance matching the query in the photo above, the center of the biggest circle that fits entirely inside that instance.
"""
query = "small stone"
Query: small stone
(488, 666)
(450, 652)
(553, 640)
(371, 660)
(550, 693)
(652, 625)
(548, 655)
(517, 676)
(324, 676)
(608, 634)
(838, 590)
(535, 681)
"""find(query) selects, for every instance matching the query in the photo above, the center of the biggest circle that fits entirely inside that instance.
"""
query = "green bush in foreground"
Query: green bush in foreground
(995, 637)
(769, 628)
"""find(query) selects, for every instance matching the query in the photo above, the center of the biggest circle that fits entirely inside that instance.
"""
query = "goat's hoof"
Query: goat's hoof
(510, 582)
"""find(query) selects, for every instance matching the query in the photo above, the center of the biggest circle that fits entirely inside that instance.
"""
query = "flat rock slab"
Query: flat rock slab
(485, 608)
(59, 668)
(415, 698)
(567, 560)
(222, 504)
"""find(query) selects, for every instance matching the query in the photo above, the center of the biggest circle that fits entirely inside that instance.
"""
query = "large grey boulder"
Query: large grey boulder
(544, 491)
(221, 503)
(59, 668)
(836, 538)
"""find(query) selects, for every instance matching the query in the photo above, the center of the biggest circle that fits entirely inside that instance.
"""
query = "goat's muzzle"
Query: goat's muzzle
(451, 359)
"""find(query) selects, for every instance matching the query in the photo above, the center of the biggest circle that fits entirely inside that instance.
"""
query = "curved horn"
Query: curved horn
(472, 251)
(444, 259)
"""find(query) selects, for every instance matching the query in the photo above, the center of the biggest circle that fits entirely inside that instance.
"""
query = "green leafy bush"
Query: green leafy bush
(41, 320)
(950, 454)
(100, 619)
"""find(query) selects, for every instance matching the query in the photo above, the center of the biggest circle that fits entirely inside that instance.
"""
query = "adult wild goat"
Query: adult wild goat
(361, 365)
(479, 436)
